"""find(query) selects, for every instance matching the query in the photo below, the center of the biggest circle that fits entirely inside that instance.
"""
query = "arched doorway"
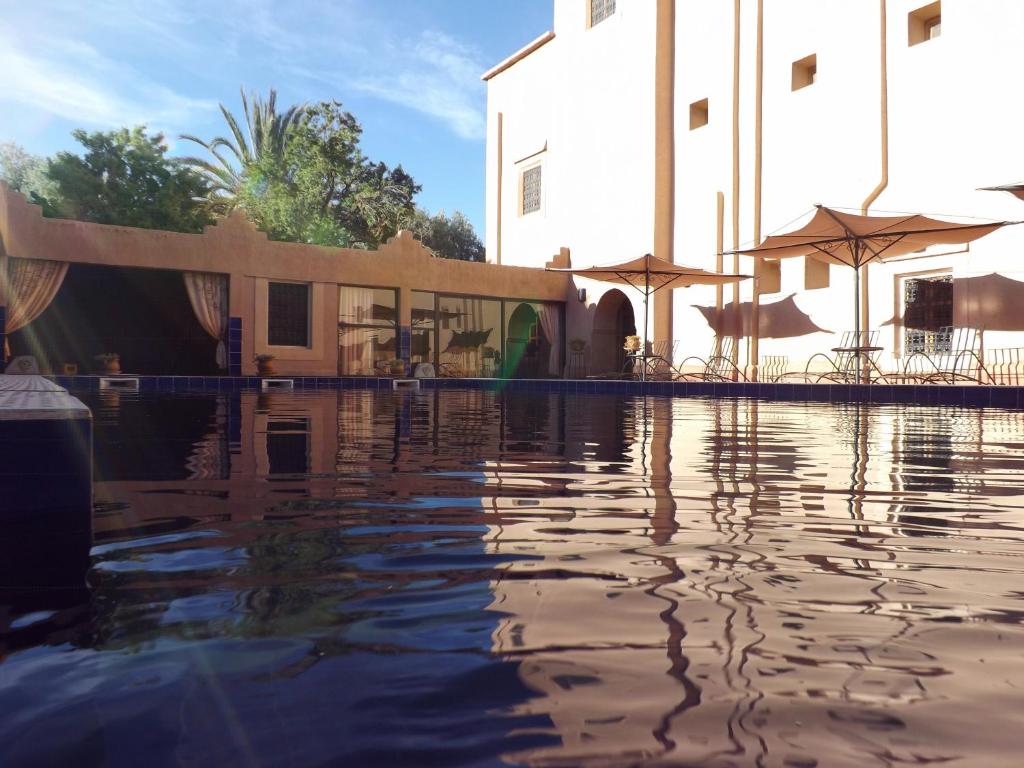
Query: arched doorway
(526, 347)
(613, 322)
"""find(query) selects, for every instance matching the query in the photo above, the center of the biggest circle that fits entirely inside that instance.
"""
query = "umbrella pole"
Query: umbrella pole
(647, 296)
(856, 319)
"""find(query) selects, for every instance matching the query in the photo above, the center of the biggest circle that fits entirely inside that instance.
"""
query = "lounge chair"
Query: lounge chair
(957, 361)
(718, 366)
(1006, 366)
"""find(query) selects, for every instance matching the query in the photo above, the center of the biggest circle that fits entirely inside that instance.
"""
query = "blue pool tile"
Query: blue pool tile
(1004, 397)
(838, 393)
(977, 397)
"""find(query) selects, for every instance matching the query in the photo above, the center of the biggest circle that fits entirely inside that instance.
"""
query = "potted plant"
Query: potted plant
(264, 364)
(632, 344)
(111, 361)
(397, 367)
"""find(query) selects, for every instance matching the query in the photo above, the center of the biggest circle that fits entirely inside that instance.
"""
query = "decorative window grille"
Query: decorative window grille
(928, 315)
(531, 189)
(601, 10)
(288, 315)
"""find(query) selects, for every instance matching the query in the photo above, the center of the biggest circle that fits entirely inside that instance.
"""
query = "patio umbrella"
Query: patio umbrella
(854, 240)
(649, 274)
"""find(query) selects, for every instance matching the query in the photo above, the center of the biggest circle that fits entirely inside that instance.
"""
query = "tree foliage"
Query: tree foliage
(450, 238)
(322, 189)
(265, 139)
(25, 173)
(126, 178)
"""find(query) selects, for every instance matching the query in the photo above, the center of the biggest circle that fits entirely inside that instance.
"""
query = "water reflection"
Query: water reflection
(464, 577)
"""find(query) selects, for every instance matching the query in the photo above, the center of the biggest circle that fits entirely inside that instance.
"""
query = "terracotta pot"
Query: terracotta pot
(265, 367)
(112, 366)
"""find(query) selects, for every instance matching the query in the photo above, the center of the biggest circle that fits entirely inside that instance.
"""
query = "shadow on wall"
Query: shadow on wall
(779, 320)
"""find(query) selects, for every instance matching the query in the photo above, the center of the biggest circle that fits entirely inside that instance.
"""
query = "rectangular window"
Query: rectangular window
(698, 114)
(924, 24)
(288, 445)
(601, 10)
(367, 329)
(805, 72)
(928, 315)
(288, 315)
(531, 190)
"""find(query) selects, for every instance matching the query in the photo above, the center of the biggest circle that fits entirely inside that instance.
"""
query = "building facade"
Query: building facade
(211, 303)
(689, 128)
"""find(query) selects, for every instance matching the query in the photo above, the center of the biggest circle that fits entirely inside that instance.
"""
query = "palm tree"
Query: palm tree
(266, 135)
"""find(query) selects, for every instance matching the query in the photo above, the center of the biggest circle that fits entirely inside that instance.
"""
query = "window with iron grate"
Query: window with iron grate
(601, 10)
(288, 314)
(531, 189)
(928, 315)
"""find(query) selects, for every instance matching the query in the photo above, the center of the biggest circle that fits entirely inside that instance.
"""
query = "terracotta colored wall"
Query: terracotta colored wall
(235, 247)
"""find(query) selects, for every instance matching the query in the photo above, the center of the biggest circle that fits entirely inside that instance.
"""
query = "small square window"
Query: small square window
(698, 114)
(288, 314)
(805, 72)
(924, 24)
(601, 10)
(530, 190)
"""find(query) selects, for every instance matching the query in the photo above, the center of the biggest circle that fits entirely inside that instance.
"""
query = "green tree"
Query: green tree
(264, 139)
(450, 238)
(25, 173)
(322, 189)
(126, 178)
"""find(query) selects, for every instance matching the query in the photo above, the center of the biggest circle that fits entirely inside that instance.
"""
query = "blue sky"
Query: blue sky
(408, 69)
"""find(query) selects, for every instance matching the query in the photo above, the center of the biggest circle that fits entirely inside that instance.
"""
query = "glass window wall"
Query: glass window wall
(367, 325)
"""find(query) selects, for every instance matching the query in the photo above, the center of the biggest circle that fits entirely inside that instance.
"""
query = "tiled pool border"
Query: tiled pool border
(917, 394)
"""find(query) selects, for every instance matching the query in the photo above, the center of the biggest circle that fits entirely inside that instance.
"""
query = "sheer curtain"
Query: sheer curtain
(551, 324)
(30, 286)
(355, 355)
(208, 294)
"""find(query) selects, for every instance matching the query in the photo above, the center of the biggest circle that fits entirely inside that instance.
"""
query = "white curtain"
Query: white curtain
(29, 285)
(551, 324)
(208, 294)
(355, 345)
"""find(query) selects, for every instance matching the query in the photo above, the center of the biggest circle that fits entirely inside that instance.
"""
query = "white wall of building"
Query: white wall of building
(953, 125)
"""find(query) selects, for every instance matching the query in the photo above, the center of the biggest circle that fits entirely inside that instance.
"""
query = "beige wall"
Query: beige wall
(236, 248)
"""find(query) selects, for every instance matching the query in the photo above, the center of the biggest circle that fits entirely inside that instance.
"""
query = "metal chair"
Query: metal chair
(841, 367)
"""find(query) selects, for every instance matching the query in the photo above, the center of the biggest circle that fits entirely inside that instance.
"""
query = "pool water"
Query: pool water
(466, 578)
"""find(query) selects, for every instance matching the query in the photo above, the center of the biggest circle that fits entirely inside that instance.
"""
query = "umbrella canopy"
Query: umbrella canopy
(851, 239)
(649, 274)
(779, 320)
(1017, 190)
(855, 240)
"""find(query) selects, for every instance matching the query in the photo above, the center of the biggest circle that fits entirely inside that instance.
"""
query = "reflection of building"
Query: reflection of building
(688, 127)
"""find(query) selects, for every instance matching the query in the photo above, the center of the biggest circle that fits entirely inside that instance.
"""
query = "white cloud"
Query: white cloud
(71, 79)
(441, 78)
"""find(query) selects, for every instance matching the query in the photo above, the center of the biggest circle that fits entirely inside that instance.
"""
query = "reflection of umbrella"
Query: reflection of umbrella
(988, 302)
(854, 240)
(779, 320)
(468, 340)
(649, 274)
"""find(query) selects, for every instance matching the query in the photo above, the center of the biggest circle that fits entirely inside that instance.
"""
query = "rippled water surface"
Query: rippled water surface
(463, 578)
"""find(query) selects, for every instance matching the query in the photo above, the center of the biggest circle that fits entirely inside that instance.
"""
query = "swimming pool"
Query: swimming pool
(465, 577)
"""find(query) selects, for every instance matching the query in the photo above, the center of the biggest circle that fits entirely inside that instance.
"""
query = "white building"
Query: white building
(689, 127)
